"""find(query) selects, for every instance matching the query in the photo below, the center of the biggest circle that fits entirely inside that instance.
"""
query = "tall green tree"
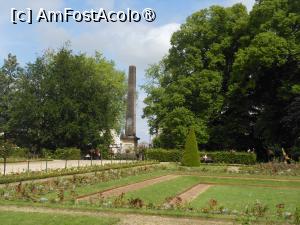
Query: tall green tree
(67, 100)
(188, 87)
(233, 74)
(9, 74)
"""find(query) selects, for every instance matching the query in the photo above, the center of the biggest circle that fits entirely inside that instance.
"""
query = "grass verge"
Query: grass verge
(33, 218)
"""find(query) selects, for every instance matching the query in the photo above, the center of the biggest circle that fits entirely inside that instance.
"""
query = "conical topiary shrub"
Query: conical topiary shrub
(190, 155)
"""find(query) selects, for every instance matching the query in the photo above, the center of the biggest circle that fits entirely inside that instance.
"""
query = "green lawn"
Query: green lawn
(157, 193)
(237, 198)
(86, 189)
(22, 218)
(233, 193)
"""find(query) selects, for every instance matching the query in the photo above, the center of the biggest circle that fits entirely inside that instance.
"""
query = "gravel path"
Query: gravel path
(127, 188)
(125, 218)
(191, 193)
(55, 164)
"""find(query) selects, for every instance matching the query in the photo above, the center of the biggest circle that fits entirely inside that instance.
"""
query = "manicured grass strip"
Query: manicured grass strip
(158, 193)
(29, 218)
(88, 189)
(251, 182)
(237, 198)
(131, 187)
(191, 193)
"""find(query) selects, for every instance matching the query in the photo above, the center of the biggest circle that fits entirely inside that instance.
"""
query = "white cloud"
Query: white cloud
(142, 126)
(137, 44)
(52, 36)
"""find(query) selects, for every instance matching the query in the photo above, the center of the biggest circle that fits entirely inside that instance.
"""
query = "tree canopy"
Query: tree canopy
(61, 100)
(231, 74)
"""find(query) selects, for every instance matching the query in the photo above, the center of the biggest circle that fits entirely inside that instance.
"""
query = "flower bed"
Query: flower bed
(65, 188)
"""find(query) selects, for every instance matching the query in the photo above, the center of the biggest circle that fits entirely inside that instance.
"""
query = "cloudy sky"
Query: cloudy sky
(140, 44)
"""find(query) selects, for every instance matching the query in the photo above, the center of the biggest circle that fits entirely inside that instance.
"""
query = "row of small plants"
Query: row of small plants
(251, 214)
(270, 169)
(61, 187)
(31, 175)
(273, 169)
(175, 155)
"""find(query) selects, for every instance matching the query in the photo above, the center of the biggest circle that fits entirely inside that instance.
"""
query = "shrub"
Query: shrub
(125, 156)
(174, 155)
(20, 153)
(297, 216)
(47, 153)
(190, 155)
(295, 153)
(164, 155)
(67, 153)
(231, 157)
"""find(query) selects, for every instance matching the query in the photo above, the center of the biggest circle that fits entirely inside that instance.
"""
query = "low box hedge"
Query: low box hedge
(164, 155)
(174, 155)
(67, 153)
(231, 157)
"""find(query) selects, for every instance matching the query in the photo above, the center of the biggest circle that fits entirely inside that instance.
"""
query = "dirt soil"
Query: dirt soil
(191, 193)
(131, 187)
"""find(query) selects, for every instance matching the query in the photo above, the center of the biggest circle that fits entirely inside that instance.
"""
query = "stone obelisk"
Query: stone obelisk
(129, 139)
(130, 129)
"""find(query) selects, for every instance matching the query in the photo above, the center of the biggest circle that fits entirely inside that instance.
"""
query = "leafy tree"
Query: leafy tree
(188, 86)
(9, 74)
(6, 149)
(67, 100)
(235, 74)
(190, 155)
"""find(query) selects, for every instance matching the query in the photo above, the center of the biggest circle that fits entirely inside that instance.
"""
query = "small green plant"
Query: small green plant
(279, 209)
(136, 203)
(119, 201)
(213, 203)
(297, 216)
(61, 194)
(258, 209)
(191, 154)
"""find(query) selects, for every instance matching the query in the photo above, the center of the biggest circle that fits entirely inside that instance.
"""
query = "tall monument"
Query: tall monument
(129, 139)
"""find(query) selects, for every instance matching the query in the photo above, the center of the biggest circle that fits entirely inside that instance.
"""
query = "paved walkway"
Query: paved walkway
(55, 164)
(125, 218)
(191, 193)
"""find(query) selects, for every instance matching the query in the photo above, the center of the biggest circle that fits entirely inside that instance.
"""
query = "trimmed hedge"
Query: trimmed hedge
(67, 153)
(175, 155)
(163, 155)
(231, 157)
